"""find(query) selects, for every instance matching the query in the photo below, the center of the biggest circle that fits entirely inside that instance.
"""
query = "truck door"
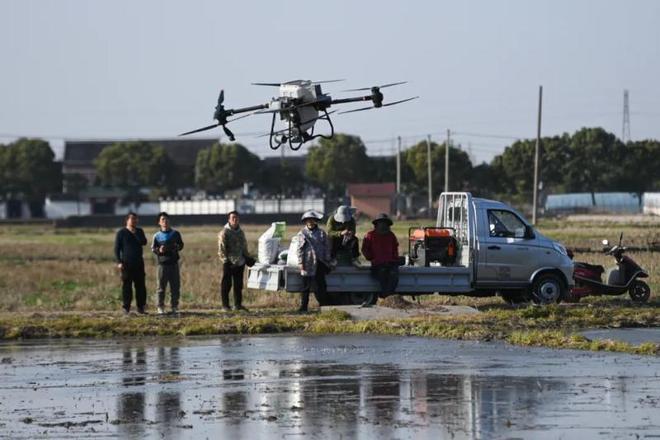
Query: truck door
(509, 252)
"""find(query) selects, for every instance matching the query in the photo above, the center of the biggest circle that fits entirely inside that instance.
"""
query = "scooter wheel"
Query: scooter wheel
(640, 291)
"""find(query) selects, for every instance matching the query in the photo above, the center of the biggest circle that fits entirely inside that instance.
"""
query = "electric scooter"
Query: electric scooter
(622, 278)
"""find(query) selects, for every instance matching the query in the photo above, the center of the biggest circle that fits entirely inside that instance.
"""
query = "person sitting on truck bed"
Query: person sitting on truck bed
(313, 257)
(381, 247)
(343, 243)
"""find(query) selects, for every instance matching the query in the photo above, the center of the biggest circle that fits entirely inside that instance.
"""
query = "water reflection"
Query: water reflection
(131, 404)
(238, 394)
(168, 402)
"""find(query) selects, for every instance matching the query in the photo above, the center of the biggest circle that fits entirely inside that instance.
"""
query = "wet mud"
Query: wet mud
(322, 387)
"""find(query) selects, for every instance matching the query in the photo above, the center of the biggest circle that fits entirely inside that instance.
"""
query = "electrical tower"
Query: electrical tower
(625, 132)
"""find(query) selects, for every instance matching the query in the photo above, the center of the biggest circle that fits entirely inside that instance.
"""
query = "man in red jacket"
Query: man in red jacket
(381, 247)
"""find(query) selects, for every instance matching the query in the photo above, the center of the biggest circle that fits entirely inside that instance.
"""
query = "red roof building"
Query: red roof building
(372, 199)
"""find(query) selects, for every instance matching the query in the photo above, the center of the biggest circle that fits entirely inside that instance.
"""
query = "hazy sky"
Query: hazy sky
(127, 69)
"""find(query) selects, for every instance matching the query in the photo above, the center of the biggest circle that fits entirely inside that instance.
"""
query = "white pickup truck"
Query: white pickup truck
(478, 247)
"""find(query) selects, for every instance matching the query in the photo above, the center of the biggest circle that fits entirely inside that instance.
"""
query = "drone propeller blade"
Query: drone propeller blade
(399, 102)
(221, 97)
(267, 84)
(200, 129)
(392, 84)
(362, 89)
(384, 105)
(229, 134)
(357, 110)
(328, 81)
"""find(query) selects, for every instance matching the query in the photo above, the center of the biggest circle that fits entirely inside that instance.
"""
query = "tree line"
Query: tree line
(589, 160)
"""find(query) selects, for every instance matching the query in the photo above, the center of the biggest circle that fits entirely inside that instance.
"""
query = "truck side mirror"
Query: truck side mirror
(529, 232)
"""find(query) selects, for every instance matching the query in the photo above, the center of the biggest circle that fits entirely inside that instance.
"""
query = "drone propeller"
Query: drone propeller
(384, 105)
(375, 87)
(267, 84)
(209, 127)
(220, 115)
(328, 81)
(199, 129)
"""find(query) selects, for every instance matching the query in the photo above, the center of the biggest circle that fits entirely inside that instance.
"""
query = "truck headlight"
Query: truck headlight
(559, 248)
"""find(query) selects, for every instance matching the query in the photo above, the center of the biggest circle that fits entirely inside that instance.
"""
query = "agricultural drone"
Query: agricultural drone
(300, 104)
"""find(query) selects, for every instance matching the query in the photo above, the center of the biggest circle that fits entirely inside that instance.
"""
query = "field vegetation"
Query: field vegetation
(63, 282)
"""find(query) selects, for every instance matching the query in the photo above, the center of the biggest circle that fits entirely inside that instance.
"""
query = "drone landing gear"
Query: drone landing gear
(296, 141)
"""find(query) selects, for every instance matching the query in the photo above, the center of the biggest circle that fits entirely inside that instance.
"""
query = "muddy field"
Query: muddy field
(322, 387)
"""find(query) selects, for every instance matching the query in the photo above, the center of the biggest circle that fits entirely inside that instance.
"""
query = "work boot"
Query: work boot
(125, 312)
(175, 311)
(368, 300)
(240, 308)
(226, 309)
(141, 311)
(161, 310)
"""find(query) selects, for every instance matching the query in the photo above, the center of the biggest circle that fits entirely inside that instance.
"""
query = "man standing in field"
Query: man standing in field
(233, 251)
(128, 255)
(166, 245)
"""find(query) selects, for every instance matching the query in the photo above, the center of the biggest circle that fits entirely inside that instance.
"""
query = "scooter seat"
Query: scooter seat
(594, 267)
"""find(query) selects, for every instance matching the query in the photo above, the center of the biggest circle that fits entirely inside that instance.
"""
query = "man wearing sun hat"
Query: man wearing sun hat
(381, 247)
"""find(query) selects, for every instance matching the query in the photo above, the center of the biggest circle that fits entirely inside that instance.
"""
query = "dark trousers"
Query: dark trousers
(168, 274)
(321, 287)
(387, 276)
(133, 276)
(232, 275)
(344, 250)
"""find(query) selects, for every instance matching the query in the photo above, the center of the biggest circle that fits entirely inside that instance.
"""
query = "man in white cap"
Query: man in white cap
(343, 243)
(313, 257)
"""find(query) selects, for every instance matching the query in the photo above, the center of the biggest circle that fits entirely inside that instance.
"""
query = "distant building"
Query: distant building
(372, 199)
(79, 157)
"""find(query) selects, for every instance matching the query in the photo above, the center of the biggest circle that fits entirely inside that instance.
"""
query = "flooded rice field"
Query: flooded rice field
(322, 387)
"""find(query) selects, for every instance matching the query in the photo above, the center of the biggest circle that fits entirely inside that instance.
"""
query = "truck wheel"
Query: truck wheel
(548, 288)
(639, 291)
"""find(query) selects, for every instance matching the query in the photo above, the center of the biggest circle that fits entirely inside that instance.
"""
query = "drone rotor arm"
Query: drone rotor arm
(382, 105)
(357, 110)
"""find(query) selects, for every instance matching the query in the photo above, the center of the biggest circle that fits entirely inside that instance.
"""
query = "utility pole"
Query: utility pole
(398, 178)
(536, 158)
(625, 133)
(428, 162)
(447, 160)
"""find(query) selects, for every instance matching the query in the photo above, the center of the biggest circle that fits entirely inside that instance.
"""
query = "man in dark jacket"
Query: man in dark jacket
(166, 244)
(128, 254)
